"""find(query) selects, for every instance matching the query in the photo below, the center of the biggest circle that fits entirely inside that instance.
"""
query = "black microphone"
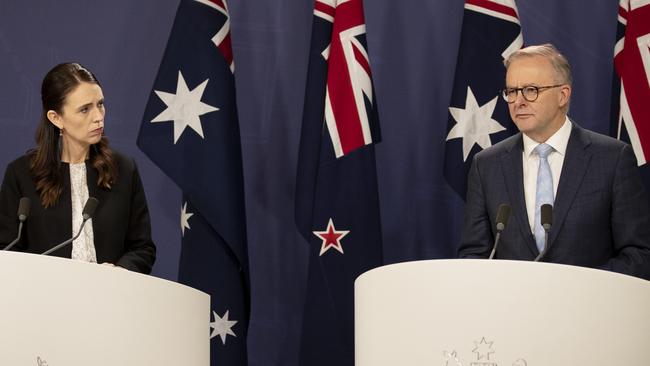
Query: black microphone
(87, 213)
(23, 212)
(546, 216)
(503, 214)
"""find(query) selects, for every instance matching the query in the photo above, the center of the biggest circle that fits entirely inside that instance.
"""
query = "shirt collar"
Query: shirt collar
(558, 141)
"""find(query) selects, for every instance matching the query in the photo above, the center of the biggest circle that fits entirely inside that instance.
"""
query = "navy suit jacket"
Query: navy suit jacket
(601, 215)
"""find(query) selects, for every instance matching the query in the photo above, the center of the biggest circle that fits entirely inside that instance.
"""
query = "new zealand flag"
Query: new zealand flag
(630, 111)
(190, 130)
(478, 115)
(337, 204)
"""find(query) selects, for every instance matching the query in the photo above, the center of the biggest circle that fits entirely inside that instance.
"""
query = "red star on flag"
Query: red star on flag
(331, 238)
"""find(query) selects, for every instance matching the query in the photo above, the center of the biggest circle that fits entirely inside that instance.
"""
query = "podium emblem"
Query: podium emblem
(484, 353)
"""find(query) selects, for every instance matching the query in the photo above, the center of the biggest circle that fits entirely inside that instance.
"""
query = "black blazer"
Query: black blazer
(121, 224)
(601, 216)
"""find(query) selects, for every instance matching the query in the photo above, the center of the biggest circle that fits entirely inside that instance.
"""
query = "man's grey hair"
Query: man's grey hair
(549, 52)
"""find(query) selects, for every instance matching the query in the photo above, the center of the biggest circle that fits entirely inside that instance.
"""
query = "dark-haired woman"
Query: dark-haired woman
(70, 163)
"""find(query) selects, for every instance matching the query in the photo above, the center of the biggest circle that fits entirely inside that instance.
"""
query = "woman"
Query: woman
(70, 163)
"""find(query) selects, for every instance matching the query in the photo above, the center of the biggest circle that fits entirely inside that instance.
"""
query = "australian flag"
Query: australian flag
(190, 130)
(337, 204)
(478, 115)
(631, 94)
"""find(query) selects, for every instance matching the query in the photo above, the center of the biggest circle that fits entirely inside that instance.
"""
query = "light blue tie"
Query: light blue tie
(544, 192)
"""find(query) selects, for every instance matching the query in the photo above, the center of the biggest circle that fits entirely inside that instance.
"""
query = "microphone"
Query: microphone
(546, 216)
(87, 214)
(23, 212)
(503, 214)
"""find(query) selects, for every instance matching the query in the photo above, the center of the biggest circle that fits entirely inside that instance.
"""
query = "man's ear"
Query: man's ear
(54, 117)
(565, 95)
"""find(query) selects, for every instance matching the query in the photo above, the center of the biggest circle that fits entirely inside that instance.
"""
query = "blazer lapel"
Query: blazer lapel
(93, 189)
(576, 162)
(513, 176)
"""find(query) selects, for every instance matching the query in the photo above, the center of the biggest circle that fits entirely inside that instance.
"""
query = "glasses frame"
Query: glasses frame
(505, 92)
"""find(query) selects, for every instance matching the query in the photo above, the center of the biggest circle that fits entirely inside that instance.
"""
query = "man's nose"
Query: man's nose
(519, 98)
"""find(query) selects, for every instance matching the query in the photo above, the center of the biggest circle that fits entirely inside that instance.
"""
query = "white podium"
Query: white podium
(505, 313)
(56, 312)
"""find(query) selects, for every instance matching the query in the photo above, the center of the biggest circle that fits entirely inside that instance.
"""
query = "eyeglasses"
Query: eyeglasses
(530, 93)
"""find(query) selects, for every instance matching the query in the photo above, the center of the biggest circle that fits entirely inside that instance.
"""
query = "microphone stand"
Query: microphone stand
(67, 241)
(20, 230)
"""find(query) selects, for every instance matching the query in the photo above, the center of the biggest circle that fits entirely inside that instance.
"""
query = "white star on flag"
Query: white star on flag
(222, 326)
(185, 216)
(184, 107)
(474, 124)
(331, 238)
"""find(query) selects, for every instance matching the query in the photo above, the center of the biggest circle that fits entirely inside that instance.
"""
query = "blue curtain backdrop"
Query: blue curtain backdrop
(413, 48)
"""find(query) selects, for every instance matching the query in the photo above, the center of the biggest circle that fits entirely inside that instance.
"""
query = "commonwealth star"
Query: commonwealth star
(474, 124)
(184, 108)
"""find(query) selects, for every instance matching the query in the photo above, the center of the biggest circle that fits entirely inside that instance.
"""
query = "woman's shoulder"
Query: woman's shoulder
(18, 170)
(20, 164)
(124, 163)
(119, 156)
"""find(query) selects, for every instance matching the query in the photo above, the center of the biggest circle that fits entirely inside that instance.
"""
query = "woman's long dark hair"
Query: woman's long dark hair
(45, 158)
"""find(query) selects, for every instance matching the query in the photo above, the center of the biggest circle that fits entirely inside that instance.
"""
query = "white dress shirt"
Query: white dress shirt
(530, 160)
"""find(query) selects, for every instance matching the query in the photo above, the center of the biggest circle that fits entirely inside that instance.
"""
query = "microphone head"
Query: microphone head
(23, 209)
(546, 215)
(503, 214)
(89, 208)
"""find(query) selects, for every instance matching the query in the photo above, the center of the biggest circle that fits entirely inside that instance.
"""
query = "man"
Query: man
(601, 217)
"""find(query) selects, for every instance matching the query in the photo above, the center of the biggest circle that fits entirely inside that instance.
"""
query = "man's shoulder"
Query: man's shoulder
(500, 148)
(597, 141)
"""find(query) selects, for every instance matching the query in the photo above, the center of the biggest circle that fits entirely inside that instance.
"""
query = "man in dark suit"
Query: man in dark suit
(601, 216)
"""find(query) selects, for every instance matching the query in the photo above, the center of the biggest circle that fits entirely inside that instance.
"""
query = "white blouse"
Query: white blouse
(83, 248)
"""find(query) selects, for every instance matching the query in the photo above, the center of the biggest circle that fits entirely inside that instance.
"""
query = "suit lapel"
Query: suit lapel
(513, 176)
(576, 163)
(93, 189)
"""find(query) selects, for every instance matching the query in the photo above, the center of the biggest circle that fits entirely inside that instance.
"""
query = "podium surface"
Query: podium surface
(56, 311)
(489, 313)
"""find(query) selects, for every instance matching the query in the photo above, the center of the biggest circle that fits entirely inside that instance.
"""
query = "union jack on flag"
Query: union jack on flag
(349, 85)
(631, 114)
(478, 116)
(337, 203)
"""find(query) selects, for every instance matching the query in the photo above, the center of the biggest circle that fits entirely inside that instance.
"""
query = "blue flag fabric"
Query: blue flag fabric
(337, 204)
(191, 131)
(478, 115)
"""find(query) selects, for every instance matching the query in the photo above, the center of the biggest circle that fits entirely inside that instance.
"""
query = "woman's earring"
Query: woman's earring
(58, 147)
